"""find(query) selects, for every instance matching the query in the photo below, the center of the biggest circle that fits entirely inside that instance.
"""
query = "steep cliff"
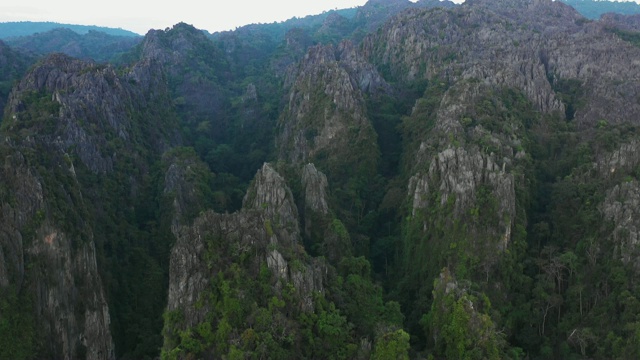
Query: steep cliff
(260, 243)
(449, 182)
(196, 70)
(374, 13)
(49, 253)
(325, 121)
(243, 284)
(562, 54)
(71, 149)
(511, 87)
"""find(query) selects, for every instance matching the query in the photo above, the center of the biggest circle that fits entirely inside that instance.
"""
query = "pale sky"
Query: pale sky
(141, 15)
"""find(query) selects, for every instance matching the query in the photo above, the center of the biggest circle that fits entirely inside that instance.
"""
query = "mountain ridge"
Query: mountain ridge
(25, 28)
(458, 182)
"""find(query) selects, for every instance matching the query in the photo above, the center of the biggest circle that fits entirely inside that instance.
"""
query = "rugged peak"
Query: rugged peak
(385, 2)
(525, 9)
(334, 19)
(53, 73)
(326, 118)
(319, 54)
(436, 3)
(622, 22)
(164, 45)
(315, 185)
(506, 3)
(76, 92)
(335, 26)
(186, 28)
(296, 39)
(269, 192)
(375, 13)
(179, 28)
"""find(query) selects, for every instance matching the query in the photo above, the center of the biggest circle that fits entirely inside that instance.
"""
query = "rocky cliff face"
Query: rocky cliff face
(492, 52)
(493, 89)
(325, 119)
(49, 260)
(468, 159)
(197, 93)
(510, 172)
(68, 121)
(267, 225)
(93, 102)
(622, 22)
(461, 48)
(375, 12)
(264, 233)
(620, 207)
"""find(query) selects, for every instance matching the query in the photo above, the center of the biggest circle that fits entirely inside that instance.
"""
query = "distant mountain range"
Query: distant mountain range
(26, 28)
(592, 9)
(94, 44)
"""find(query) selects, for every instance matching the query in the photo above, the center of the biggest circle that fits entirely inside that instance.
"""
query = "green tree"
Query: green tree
(392, 345)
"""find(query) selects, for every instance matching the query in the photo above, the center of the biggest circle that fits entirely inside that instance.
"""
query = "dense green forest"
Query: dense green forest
(399, 180)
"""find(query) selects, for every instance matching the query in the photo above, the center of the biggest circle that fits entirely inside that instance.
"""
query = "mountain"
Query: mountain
(13, 65)
(27, 28)
(400, 180)
(593, 9)
(93, 44)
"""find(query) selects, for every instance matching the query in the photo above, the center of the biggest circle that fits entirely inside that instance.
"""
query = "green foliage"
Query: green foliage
(18, 335)
(416, 127)
(14, 65)
(40, 116)
(467, 239)
(460, 325)
(559, 289)
(630, 36)
(570, 92)
(393, 345)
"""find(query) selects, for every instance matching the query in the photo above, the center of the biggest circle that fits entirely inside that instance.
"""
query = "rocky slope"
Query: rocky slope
(264, 235)
(462, 183)
(67, 122)
(499, 76)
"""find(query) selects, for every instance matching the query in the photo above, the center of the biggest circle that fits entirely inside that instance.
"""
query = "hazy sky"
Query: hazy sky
(141, 15)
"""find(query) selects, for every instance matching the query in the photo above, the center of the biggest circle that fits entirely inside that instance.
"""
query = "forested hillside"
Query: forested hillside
(397, 181)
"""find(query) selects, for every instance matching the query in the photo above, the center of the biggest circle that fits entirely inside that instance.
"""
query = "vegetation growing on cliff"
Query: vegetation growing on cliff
(459, 206)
